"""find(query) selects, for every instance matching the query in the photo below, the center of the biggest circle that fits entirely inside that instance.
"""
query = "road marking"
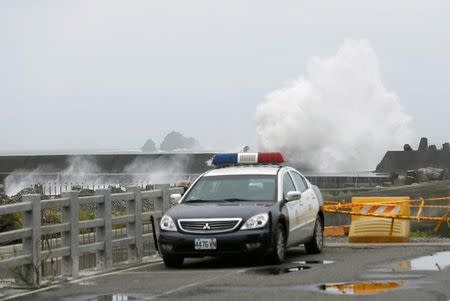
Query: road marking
(115, 272)
(197, 283)
(80, 280)
(124, 271)
(169, 272)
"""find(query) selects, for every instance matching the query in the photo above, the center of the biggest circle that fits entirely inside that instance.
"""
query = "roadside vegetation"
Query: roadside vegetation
(420, 234)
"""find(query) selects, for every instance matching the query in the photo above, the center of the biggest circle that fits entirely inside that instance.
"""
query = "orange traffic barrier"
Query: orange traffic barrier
(334, 231)
(366, 229)
(379, 211)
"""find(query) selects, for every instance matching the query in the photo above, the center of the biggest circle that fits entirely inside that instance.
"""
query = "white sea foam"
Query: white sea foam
(337, 117)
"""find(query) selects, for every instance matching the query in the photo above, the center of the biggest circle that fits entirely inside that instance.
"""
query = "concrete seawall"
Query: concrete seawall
(108, 163)
(185, 163)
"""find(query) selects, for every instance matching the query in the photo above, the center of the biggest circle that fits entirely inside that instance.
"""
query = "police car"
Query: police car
(249, 204)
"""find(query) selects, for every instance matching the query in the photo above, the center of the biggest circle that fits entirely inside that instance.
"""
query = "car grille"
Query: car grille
(209, 225)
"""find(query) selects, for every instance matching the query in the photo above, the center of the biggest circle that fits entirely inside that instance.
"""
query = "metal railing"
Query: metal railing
(69, 231)
(54, 183)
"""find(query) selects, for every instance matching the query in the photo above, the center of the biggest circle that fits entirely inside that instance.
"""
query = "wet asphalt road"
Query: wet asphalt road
(242, 279)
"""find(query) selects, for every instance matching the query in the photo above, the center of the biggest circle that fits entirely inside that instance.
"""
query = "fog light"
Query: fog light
(253, 245)
(166, 247)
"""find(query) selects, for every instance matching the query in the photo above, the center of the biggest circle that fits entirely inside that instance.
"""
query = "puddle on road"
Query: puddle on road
(382, 276)
(87, 283)
(435, 262)
(113, 297)
(295, 266)
(282, 269)
(361, 288)
(314, 262)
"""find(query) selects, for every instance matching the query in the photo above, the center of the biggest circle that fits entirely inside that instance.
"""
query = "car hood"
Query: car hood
(220, 210)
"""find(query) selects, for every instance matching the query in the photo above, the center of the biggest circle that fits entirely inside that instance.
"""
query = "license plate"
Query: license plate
(205, 243)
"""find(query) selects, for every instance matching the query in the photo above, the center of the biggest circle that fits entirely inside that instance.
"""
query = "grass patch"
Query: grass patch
(420, 234)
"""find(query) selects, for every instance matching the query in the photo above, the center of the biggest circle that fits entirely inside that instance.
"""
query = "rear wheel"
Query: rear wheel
(279, 245)
(173, 261)
(315, 245)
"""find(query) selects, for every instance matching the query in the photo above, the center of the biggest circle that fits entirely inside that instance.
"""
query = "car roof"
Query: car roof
(243, 170)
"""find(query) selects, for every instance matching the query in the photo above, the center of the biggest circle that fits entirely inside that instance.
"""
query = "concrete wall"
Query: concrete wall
(189, 163)
(111, 163)
(406, 160)
(342, 181)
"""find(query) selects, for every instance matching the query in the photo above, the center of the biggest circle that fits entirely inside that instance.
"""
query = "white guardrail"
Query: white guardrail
(70, 249)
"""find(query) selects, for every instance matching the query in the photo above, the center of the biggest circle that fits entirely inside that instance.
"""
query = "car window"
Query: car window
(304, 181)
(234, 188)
(288, 185)
(299, 181)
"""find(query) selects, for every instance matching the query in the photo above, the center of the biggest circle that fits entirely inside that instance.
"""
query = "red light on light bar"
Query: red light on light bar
(270, 158)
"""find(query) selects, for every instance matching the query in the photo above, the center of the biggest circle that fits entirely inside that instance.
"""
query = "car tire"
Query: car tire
(315, 245)
(279, 245)
(173, 261)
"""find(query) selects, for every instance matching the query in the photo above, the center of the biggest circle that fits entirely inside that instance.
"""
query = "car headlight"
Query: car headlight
(167, 224)
(256, 221)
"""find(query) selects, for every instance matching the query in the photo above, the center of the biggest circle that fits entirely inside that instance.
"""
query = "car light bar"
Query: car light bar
(247, 158)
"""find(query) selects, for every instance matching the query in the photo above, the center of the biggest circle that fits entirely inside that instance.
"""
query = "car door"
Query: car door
(308, 208)
(293, 208)
(313, 206)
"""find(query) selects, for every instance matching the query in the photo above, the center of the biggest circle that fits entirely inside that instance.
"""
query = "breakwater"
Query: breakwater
(131, 167)
(108, 163)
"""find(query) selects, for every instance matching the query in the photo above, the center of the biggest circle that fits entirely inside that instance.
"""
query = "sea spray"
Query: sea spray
(337, 117)
(83, 171)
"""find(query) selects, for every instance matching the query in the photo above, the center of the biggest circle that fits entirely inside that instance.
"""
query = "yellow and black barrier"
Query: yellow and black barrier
(374, 218)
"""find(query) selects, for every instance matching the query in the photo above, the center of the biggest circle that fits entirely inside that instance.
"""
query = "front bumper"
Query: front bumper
(237, 242)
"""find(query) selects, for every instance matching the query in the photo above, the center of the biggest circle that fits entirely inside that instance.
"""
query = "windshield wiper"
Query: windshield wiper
(237, 200)
(219, 201)
(199, 201)
(206, 201)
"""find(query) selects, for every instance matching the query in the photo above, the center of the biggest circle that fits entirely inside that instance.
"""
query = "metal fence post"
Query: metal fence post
(134, 207)
(32, 244)
(71, 263)
(104, 234)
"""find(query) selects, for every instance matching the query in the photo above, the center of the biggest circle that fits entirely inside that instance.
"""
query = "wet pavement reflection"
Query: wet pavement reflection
(282, 269)
(314, 262)
(361, 288)
(113, 297)
(435, 262)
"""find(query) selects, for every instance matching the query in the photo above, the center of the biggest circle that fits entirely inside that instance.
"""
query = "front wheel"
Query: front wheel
(315, 245)
(173, 261)
(279, 245)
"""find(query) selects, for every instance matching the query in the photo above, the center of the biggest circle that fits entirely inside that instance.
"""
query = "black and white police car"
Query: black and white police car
(249, 204)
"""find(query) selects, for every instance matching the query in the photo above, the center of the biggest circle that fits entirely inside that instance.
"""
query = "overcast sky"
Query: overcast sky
(110, 74)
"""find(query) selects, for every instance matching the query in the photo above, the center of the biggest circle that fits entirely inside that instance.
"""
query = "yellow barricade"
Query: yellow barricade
(366, 229)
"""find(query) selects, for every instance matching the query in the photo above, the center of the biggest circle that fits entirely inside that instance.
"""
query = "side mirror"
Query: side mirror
(175, 198)
(293, 196)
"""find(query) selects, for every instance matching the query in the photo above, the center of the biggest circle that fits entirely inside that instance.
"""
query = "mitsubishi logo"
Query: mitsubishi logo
(206, 227)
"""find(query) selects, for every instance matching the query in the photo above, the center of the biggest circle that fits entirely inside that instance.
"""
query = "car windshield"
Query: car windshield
(233, 188)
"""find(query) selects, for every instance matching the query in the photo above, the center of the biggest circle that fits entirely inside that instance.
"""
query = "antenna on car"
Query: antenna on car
(245, 149)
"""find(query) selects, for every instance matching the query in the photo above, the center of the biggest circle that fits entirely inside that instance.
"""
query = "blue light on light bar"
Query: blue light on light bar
(225, 159)
(247, 159)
